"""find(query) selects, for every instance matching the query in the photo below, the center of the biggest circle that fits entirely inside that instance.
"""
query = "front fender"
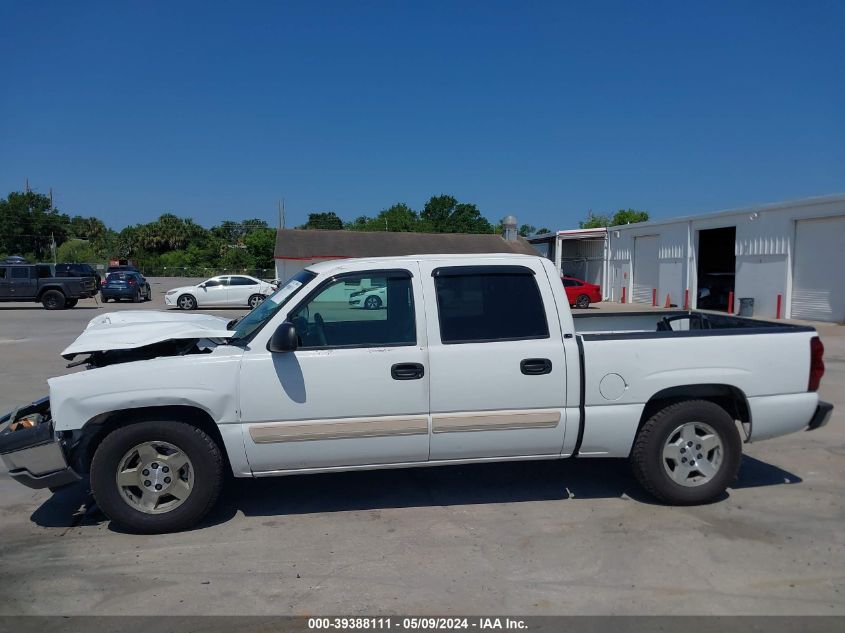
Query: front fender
(205, 381)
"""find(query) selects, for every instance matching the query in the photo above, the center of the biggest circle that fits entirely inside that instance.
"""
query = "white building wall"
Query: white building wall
(765, 238)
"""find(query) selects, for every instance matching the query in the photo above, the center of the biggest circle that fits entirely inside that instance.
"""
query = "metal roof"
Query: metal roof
(323, 244)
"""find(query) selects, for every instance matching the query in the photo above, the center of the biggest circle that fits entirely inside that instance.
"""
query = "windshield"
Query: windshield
(268, 308)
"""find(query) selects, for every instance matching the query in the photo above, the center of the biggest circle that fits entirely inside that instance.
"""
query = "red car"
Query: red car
(580, 293)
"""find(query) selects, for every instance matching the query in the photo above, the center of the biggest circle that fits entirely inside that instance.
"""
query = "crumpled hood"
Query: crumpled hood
(138, 328)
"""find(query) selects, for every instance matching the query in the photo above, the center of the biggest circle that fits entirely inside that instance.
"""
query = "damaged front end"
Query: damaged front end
(31, 449)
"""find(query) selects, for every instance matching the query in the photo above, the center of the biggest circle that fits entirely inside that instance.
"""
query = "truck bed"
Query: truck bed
(608, 325)
(631, 357)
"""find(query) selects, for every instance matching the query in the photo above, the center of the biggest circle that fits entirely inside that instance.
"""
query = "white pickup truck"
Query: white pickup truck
(472, 359)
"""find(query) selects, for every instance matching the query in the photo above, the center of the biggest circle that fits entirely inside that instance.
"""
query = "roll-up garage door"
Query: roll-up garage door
(818, 277)
(645, 267)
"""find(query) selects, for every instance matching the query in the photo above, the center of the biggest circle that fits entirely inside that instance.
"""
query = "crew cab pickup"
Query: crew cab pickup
(40, 283)
(468, 359)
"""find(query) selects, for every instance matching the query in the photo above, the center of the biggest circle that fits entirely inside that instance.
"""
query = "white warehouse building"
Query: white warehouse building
(788, 257)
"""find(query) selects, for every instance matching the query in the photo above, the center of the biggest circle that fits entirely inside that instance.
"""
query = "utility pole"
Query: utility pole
(282, 213)
(26, 187)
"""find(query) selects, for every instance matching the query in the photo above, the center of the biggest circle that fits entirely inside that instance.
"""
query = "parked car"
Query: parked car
(39, 283)
(580, 293)
(15, 259)
(127, 285)
(224, 290)
(476, 360)
(78, 270)
(371, 298)
(122, 268)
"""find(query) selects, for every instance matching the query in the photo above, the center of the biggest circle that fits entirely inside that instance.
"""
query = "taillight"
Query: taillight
(131, 282)
(103, 282)
(816, 363)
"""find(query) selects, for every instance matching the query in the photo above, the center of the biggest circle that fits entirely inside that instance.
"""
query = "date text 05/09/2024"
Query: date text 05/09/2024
(416, 623)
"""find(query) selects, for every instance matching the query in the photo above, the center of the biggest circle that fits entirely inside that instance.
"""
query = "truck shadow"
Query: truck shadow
(513, 482)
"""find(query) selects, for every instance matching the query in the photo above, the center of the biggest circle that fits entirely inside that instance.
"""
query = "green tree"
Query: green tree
(236, 259)
(323, 220)
(170, 232)
(594, 221)
(29, 224)
(76, 252)
(622, 216)
(399, 217)
(261, 246)
(444, 214)
(629, 216)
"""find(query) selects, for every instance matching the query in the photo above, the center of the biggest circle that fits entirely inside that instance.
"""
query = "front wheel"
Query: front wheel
(372, 303)
(254, 300)
(187, 302)
(687, 453)
(583, 302)
(70, 303)
(157, 476)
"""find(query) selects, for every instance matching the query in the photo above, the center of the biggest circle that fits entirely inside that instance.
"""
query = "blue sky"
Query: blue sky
(543, 110)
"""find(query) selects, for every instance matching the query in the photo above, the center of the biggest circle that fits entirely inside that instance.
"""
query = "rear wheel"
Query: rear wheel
(583, 302)
(687, 453)
(53, 300)
(186, 302)
(136, 298)
(157, 476)
(69, 303)
(254, 300)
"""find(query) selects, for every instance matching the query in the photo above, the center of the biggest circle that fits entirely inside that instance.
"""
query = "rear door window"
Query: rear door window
(501, 303)
(20, 273)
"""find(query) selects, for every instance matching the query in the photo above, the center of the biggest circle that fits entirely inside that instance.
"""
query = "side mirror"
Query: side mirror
(284, 339)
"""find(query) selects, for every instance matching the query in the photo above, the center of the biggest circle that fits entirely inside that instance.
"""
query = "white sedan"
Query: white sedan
(224, 290)
(369, 298)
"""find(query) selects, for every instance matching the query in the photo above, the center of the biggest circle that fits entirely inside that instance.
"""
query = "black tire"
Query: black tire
(149, 295)
(201, 449)
(104, 299)
(647, 458)
(53, 300)
(582, 302)
(136, 298)
(255, 300)
(186, 302)
(70, 303)
(372, 302)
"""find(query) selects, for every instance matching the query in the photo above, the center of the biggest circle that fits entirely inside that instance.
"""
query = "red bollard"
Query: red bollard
(668, 303)
(623, 295)
(730, 302)
(780, 298)
(654, 297)
(686, 299)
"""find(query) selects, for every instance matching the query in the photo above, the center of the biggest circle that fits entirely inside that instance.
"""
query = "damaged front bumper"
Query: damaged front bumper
(31, 450)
